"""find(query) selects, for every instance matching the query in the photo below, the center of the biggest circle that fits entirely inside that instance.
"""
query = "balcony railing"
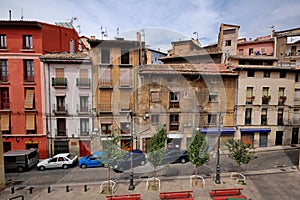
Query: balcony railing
(297, 101)
(265, 99)
(125, 83)
(59, 82)
(104, 107)
(174, 104)
(61, 132)
(83, 82)
(105, 83)
(5, 106)
(281, 100)
(249, 100)
(29, 79)
(3, 78)
(60, 110)
(82, 109)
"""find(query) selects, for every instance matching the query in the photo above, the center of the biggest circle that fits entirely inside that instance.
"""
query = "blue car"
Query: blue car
(93, 160)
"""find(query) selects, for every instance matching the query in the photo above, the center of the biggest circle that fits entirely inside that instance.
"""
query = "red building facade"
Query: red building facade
(22, 107)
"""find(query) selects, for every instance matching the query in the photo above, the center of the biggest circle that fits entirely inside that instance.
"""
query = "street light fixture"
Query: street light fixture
(131, 185)
(218, 168)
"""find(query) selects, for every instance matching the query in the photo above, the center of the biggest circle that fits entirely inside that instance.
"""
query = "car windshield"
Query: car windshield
(70, 156)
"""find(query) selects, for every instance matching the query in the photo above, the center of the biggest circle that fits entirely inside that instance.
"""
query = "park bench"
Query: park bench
(225, 192)
(124, 196)
(233, 197)
(177, 195)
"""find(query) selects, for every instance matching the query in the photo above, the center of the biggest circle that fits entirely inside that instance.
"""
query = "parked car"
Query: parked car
(175, 156)
(138, 159)
(93, 160)
(62, 160)
(20, 160)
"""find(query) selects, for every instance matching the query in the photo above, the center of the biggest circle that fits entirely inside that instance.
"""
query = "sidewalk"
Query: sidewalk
(76, 191)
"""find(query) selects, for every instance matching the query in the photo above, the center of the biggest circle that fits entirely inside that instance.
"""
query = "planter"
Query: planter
(104, 187)
(151, 187)
(197, 181)
(238, 178)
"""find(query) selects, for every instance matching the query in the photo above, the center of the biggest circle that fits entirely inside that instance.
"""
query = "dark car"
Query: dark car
(175, 156)
(138, 159)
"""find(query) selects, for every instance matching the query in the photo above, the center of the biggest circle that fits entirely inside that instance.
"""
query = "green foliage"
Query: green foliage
(113, 152)
(157, 147)
(238, 151)
(198, 149)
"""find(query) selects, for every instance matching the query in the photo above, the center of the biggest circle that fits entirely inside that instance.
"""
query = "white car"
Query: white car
(62, 160)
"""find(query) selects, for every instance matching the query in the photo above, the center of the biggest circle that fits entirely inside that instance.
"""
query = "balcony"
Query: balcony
(59, 82)
(105, 84)
(249, 100)
(60, 110)
(281, 100)
(83, 82)
(125, 84)
(248, 121)
(28, 79)
(61, 133)
(4, 106)
(174, 104)
(265, 99)
(82, 109)
(104, 107)
(4, 79)
(297, 101)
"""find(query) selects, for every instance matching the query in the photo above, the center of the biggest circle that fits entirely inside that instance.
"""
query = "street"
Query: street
(264, 160)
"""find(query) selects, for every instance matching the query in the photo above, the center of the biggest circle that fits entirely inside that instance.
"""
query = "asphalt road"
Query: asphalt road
(264, 160)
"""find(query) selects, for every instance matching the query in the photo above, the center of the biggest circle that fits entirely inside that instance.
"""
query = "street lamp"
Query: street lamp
(218, 169)
(131, 185)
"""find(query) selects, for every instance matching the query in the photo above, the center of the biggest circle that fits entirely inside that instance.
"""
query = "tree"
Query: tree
(157, 149)
(241, 153)
(198, 151)
(113, 154)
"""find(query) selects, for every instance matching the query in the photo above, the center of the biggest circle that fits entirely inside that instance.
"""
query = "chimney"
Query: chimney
(9, 14)
(93, 37)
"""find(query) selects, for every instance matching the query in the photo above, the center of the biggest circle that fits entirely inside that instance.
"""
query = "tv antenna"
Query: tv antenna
(103, 32)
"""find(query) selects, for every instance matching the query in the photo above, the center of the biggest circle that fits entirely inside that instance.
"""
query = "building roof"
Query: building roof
(65, 57)
(187, 68)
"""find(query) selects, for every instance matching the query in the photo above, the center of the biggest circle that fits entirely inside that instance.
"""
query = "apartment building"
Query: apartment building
(21, 92)
(68, 102)
(115, 65)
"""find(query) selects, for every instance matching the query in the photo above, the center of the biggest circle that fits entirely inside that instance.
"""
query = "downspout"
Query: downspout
(49, 110)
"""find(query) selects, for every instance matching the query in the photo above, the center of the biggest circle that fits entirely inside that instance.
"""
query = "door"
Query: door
(279, 135)
(248, 138)
(263, 139)
(295, 136)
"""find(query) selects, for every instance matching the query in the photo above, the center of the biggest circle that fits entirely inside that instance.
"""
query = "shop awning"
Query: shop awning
(224, 131)
(255, 130)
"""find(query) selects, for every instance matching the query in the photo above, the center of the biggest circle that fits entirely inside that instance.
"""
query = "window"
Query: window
(83, 79)
(60, 107)
(29, 99)
(27, 42)
(124, 77)
(267, 74)
(59, 79)
(241, 52)
(4, 71)
(125, 101)
(105, 56)
(251, 51)
(250, 73)
(154, 119)
(61, 127)
(264, 116)
(105, 101)
(228, 43)
(296, 78)
(248, 116)
(105, 80)
(212, 119)
(125, 127)
(263, 50)
(28, 71)
(125, 56)
(4, 99)
(174, 99)
(84, 127)
(30, 124)
(106, 129)
(174, 122)
(249, 95)
(282, 74)
(296, 117)
(5, 124)
(280, 117)
(265, 95)
(229, 31)
(3, 42)
(297, 97)
(213, 97)
(84, 104)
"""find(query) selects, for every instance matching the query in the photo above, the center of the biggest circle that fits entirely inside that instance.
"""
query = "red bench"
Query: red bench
(177, 195)
(124, 196)
(225, 192)
(230, 197)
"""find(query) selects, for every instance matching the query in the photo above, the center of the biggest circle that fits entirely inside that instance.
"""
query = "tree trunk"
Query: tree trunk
(239, 171)
(196, 171)
(154, 176)
(108, 184)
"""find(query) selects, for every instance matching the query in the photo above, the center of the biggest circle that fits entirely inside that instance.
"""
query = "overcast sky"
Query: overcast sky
(163, 21)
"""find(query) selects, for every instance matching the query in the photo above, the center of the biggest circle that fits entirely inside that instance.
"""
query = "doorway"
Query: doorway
(295, 136)
(263, 139)
(279, 136)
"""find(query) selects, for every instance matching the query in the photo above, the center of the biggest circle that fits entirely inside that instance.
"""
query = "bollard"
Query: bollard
(12, 189)
(67, 188)
(85, 188)
(49, 189)
(30, 190)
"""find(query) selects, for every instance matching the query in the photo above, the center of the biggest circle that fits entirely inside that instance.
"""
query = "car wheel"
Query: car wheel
(183, 160)
(20, 169)
(83, 166)
(65, 166)
(41, 168)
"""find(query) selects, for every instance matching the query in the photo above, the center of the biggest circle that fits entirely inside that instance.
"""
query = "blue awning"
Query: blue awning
(224, 131)
(255, 130)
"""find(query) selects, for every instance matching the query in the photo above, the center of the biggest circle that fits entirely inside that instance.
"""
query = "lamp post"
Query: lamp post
(131, 185)
(218, 169)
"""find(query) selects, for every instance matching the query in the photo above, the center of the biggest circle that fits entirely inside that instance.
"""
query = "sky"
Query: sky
(160, 21)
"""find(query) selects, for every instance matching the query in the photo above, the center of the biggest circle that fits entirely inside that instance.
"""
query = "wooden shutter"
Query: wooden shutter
(124, 76)
(155, 96)
(83, 73)
(59, 73)
(125, 99)
(30, 122)
(29, 99)
(4, 122)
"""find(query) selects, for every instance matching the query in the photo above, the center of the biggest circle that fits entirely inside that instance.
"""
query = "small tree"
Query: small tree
(198, 151)
(157, 150)
(241, 153)
(113, 154)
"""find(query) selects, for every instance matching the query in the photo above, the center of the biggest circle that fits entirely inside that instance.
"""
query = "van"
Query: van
(20, 160)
